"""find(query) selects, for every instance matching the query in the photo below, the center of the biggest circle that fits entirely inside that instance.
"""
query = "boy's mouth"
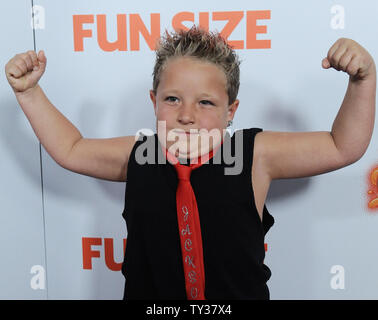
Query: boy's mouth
(186, 132)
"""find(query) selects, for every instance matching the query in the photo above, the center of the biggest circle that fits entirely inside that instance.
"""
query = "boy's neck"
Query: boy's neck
(184, 161)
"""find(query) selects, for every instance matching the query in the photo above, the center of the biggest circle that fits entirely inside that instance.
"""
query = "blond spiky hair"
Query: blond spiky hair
(203, 45)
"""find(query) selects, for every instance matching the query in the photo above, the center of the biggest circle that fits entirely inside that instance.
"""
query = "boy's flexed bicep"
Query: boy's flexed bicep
(297, 154)
(101, 158)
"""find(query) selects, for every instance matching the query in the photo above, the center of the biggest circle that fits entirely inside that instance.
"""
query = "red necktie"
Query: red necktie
(190, 228)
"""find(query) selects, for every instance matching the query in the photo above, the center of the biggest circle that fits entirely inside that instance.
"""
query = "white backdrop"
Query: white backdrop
(324, 241)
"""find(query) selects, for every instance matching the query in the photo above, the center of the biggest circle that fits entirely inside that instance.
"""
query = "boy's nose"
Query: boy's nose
(186, 114)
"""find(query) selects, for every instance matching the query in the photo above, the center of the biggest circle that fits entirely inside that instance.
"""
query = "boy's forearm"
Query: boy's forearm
(353, 126)
(55, 132)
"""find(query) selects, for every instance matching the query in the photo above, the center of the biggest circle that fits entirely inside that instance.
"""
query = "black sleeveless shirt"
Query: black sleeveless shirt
(232, 232)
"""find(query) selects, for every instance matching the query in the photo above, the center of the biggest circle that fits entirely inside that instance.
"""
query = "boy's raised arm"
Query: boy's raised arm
(354, 123)
(55, 132)
(301, 154)
(101, 158)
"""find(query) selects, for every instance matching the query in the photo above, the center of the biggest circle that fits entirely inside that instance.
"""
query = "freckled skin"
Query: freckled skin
(192, 95)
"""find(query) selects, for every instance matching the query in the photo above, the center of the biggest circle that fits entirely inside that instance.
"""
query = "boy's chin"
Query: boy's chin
(186, 150)
(191, 154)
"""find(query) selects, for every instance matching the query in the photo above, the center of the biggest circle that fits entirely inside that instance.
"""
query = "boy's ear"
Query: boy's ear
(232, 109)
(153, 99)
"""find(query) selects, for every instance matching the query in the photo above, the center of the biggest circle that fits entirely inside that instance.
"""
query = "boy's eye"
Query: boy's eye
(174, 99)
(206, 102)
(171, 99)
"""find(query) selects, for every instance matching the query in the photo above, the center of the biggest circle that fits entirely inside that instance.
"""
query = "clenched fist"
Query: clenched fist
(349, 56)
(24, 70)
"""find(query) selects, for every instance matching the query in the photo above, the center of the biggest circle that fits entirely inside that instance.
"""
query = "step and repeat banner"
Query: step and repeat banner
(62, 235)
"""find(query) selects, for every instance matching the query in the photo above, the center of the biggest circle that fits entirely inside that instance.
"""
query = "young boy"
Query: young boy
(193, 231)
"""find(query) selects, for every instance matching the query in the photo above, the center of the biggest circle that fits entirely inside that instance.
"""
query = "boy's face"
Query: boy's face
(191, 94)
